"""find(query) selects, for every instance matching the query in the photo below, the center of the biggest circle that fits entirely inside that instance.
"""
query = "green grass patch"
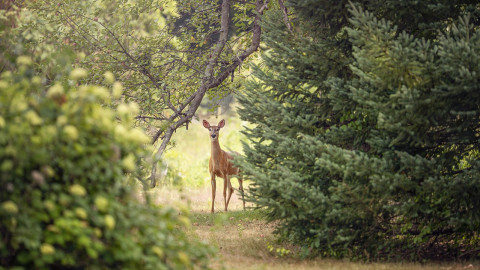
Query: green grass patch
(227, 218)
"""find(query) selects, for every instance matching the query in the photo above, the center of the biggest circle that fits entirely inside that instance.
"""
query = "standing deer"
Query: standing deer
(220, 165)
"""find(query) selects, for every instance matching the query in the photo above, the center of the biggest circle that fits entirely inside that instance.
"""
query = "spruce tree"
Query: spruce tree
(366, 130)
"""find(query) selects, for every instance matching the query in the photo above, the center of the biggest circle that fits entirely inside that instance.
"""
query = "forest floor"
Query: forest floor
(244, 240)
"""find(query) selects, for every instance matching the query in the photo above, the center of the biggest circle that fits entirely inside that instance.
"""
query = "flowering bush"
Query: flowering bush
(64, 157)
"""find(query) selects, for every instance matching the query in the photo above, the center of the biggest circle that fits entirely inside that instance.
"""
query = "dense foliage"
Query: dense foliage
(65, 157)
(366, 128)
(168, 54)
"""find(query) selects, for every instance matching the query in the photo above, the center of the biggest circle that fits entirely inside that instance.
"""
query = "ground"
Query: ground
(244, 240)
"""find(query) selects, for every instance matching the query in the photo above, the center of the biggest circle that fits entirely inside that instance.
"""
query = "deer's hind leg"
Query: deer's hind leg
(225, 181)
(240, 183)
(214, 187)
(230, 191)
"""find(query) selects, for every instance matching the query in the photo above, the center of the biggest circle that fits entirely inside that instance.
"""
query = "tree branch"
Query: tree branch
(285, 16)
(208, 82)
(257, 31)
(142, 69)
(150, 117)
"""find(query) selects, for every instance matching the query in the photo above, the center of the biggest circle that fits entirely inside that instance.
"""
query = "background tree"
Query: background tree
(169, 54)
(366, 140)
(65, 159)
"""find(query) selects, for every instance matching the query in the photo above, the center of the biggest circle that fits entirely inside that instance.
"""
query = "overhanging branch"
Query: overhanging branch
(208, 81)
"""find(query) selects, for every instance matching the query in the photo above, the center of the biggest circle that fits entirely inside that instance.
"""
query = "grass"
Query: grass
(244, 240)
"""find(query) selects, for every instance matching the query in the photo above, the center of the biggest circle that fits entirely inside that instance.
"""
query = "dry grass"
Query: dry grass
(244, 240)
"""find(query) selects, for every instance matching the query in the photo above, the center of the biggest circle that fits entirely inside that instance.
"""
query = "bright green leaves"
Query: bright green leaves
(65, 159)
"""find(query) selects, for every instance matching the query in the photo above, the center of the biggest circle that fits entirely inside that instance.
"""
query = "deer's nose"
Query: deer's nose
(214, 135)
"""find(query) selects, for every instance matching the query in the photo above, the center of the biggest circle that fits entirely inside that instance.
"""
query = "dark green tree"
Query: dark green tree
(366, 130)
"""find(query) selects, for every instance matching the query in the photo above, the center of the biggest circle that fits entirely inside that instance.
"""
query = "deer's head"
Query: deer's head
(214, 130)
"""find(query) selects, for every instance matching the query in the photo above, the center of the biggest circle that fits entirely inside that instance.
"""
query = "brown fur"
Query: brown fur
(220, 165)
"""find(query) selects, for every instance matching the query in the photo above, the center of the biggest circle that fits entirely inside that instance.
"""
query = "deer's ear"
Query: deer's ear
(221, 124)
(206, 124)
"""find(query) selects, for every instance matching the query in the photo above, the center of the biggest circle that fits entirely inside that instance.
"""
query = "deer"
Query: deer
(220, 164)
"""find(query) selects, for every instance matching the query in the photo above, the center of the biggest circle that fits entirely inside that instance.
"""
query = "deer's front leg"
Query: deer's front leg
(214, 187)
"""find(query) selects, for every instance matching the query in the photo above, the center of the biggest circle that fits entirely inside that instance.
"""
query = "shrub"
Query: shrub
(64, 161)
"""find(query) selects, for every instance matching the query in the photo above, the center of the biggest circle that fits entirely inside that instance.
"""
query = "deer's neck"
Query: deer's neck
(216, 152)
